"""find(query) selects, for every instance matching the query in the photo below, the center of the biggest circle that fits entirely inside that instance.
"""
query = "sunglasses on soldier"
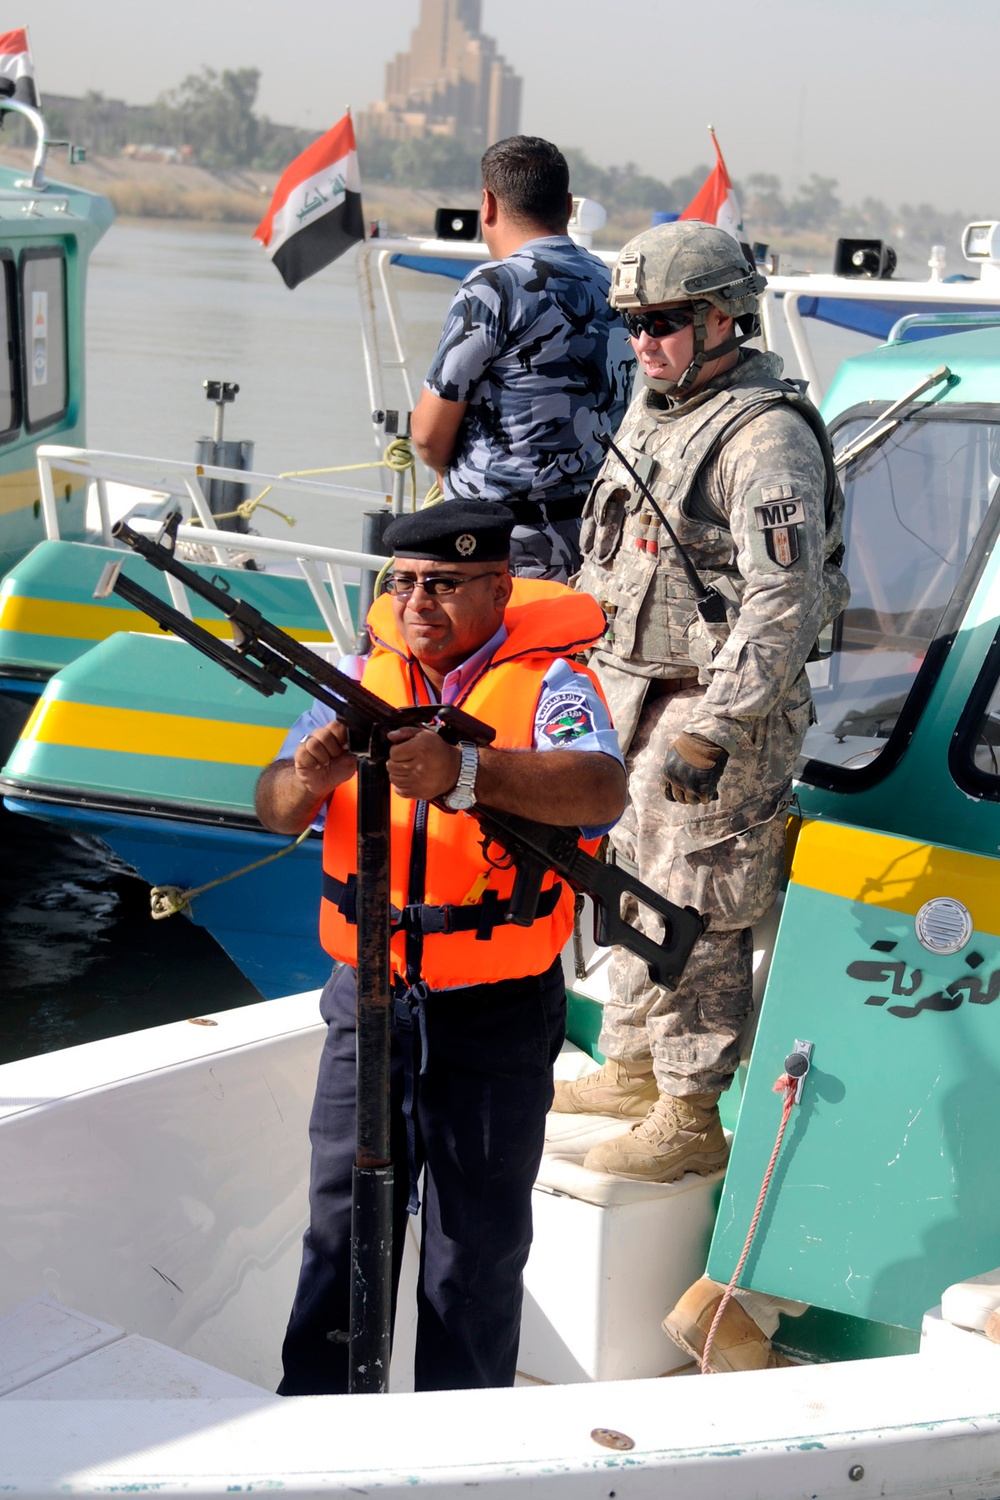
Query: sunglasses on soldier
(659, 324)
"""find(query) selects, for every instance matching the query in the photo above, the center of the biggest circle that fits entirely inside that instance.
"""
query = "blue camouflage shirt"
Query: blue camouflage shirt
(545, 365)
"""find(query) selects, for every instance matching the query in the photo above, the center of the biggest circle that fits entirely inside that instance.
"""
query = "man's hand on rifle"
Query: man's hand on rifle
(291, 792)
(322, 760)
(422, 763)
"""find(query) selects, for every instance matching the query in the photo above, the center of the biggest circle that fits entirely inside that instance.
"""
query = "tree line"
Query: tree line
(212, 117)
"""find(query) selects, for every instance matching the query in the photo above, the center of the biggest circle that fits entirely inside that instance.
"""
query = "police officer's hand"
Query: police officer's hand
(421, 763)
(322, 760)
(692, 769)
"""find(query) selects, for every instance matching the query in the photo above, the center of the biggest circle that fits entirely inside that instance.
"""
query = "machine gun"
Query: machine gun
(265, 657)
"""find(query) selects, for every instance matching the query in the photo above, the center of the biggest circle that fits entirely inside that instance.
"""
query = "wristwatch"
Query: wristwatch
(463, 793)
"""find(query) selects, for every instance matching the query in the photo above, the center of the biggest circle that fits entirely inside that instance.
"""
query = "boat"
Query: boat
(48, 231)
(154, 1189)
(123, 746)
(154, 1184)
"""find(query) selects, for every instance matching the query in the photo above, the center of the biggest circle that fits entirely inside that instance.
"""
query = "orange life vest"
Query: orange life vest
(460, 909)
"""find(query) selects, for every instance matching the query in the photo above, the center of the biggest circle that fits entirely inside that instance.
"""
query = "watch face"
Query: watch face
(463, 793)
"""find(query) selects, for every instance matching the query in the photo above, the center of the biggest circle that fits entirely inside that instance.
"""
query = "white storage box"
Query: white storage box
(609, 1258)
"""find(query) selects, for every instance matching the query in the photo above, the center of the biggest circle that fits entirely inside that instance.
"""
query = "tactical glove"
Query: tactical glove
(692, 769)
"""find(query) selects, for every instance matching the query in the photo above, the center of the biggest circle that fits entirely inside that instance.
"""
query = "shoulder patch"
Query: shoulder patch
(568, 716)
(779, 518)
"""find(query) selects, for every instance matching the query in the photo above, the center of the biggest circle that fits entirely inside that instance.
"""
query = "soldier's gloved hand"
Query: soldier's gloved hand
(692, 769)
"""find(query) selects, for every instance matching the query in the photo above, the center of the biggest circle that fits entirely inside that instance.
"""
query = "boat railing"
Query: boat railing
(36, 183)
(937, 320)
(786, 297)
(325, 569)
(388, 350)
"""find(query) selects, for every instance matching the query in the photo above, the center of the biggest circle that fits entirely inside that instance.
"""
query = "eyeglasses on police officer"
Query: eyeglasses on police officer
(402, 585)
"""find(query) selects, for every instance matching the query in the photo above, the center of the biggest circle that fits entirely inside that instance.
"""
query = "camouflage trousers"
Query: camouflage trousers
(725, 859)
(550, 551)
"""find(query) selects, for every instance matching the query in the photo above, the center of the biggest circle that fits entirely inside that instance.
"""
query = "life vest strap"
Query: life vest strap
(481, 917)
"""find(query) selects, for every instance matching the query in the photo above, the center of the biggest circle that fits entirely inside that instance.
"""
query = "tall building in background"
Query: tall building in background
(452, 81)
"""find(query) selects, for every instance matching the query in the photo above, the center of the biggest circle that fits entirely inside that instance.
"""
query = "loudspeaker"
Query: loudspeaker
(456, 224)
(869, 258)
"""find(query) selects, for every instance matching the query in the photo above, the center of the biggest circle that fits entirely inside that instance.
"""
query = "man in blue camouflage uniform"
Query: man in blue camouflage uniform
(533, 365)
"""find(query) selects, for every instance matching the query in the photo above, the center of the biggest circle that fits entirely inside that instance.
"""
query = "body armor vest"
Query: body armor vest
(631, 566)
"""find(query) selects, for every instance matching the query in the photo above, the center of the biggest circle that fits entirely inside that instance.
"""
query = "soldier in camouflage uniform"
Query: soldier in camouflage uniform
(711, 712)
(532, 368)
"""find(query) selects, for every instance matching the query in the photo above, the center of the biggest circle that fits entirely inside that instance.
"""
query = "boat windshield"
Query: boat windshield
(915, 505)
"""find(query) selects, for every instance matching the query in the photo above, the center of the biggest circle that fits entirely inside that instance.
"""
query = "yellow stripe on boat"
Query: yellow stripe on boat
(22, 490)
(880, 870)
(94, 622)
(126, 731)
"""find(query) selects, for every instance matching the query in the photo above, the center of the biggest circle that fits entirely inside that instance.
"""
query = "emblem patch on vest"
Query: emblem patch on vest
(779, 518)
(567, 717)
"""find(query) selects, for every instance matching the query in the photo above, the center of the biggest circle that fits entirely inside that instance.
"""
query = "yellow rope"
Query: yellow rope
(166, 900)
(398, 457)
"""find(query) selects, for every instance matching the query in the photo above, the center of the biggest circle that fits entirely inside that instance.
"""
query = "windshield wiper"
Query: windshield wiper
(891, 418)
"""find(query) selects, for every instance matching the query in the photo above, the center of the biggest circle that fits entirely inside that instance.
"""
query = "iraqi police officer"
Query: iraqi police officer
(478, 1002)
(703, 667)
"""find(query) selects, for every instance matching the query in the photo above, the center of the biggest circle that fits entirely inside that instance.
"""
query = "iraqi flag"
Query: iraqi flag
(315, 214)
(715, 202)
(17, 68)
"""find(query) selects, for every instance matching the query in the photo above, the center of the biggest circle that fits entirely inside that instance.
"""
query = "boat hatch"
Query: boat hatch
(921, 517)
(888, 960)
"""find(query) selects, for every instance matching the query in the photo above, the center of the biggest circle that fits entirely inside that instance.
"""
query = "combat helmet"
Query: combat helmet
(696, 262)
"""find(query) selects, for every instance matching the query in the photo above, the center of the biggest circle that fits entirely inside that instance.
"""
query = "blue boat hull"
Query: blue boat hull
(265, 919)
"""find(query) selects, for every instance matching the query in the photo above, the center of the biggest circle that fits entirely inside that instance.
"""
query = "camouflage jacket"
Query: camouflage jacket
(544, 364)
(743, 472)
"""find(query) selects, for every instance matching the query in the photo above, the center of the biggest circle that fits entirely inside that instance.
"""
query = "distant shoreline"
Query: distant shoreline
(172, 191)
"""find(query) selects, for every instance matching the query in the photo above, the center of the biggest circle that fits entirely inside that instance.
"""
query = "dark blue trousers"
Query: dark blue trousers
(480, 1121)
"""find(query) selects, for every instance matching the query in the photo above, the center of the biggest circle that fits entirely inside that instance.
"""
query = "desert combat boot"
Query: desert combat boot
(677, 1135)
(623, 1089)
(739, 1343)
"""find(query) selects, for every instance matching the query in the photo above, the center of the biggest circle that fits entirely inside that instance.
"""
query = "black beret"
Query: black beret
(453, 531)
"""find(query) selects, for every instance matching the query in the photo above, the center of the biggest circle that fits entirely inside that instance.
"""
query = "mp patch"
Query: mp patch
(567, 717)
(779, 518)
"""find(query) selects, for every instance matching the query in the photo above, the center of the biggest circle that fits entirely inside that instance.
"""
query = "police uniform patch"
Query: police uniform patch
(779, 518)
(567, 717)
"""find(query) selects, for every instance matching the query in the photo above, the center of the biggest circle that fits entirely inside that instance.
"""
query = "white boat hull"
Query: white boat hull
(157, 1181)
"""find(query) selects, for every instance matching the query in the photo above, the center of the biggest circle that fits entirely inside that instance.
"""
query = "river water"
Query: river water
(170, 306)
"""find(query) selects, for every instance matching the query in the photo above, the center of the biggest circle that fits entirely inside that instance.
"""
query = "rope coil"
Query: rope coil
(398, 457)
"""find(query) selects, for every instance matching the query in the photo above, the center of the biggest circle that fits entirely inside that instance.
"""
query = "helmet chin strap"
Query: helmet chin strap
(703, 356)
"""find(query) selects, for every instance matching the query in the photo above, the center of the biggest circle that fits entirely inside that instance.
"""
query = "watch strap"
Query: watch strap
(463, 793)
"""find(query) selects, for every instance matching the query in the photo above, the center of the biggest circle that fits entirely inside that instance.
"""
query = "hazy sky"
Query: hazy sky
(896, 99)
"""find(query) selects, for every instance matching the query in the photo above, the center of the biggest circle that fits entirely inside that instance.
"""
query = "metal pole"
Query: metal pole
(371, 1208)
(373, 524)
